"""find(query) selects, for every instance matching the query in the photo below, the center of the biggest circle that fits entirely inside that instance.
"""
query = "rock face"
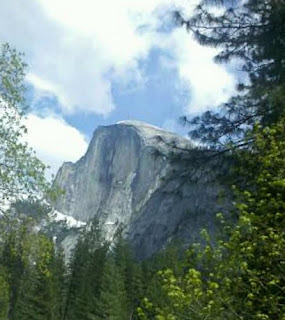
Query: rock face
(128, 179)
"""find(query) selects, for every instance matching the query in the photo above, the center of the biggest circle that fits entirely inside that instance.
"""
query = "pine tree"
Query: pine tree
(75, 281)
(113, 303)
(4, 295)
(37, 297)
(13, 257)
(58, 286)
(85, 274)
(131, 272)
(253, 32)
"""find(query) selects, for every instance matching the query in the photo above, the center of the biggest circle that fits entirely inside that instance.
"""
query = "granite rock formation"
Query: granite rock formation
(132, 179)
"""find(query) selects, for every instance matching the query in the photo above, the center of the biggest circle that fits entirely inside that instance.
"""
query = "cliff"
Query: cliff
(129, 179)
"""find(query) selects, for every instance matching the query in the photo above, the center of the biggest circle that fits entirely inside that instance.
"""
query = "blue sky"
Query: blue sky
(95, 63)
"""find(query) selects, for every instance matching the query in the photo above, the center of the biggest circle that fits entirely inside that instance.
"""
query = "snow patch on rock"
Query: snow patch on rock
(70, 221)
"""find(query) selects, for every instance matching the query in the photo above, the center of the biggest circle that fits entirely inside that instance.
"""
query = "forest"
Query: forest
(239, 274)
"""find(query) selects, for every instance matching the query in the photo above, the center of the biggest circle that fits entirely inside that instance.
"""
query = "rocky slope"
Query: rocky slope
(128, 179)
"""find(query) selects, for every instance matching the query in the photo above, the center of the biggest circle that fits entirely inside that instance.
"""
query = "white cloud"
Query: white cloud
(77, 48)
(54, 140)
(210, 83)
(40, 83)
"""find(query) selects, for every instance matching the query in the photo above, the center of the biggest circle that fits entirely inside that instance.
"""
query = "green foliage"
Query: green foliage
(14, 256)
(104, 282)
(21, 173)
(113, 298)
(58, 284)
(32, 208)
(35, 290)
(27, 271)
(243, 275)
(4, 294)
(131, 272)
(85, 274)
(32, 276)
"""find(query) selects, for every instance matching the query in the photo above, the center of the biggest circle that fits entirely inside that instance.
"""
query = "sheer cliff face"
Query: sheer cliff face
(126, 180)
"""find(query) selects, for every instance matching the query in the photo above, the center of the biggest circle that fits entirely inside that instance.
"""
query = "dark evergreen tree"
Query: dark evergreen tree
(252, 33)
(131, 272)
(34, 298)
(85, 274)
(37, 297)
(113, 303)
(13, 257)
(75, 282)
(58, 287)
(4, 294)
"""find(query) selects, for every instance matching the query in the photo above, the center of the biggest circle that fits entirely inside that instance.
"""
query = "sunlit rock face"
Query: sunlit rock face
(129, 180)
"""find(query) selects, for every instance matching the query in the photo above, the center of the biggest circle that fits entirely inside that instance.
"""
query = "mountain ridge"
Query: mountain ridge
(128, 182)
